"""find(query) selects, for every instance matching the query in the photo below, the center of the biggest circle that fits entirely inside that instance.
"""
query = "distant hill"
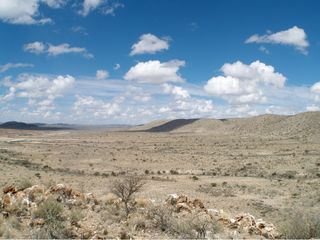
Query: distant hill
(59, 126)
(302, 124)
(31, 126)
(171, 125)
(19, 125)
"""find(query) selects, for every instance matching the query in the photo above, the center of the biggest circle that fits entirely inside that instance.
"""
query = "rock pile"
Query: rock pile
(183, 204)
(32, 196)
(243, 221)
(23, 203)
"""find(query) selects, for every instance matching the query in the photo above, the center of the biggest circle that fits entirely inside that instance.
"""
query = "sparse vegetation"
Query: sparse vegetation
(301, 225)
(51, 212)
(161, 216)
(125, 189)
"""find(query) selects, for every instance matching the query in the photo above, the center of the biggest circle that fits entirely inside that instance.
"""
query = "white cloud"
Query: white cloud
(102, 74)
(116, 67)
(55, 50)
(35, 47)
(9, 66)
(90, 5)
(34, 86)
(154, 71)
(41, 91)
(242, 83)
(90, 106)
(264, 49)
(79, 29)
(294, 36)
(137, 94)
(149, 43)
(9, 95)
(256, 72)
(55, 3)
(187, 108)
(108, 7)
(111, 8)
(315, 87)
(178, 92)
(25, 11)
(66, 48)
(313, 108)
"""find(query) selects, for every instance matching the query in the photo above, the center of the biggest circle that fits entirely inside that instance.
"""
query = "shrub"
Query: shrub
(301, 225)
(195, 178)
(9, 228)
(161, 216)
(195, 225)
(126, 189)
(49, 211)
(23, 184)
(174, 172)
(52, 213)
(75, 216)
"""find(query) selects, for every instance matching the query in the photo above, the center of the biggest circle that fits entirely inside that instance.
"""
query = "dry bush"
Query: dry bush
(23, 184)
(161, 216)
(138, 222)
(52, 213)
(10, 228)
(195, 225)
(76, 215)
(125, 189)
(301, 225)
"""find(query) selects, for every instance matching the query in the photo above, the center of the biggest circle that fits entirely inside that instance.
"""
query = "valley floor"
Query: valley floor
(268, 177)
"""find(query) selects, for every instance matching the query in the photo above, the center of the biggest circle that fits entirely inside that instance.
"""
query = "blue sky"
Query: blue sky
(107, 61)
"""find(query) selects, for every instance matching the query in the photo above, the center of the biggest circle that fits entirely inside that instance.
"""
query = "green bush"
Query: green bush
(49, 211)
(23, 184)
(52, 213)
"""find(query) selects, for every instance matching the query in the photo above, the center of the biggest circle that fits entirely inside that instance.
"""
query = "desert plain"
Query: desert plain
(268, 166)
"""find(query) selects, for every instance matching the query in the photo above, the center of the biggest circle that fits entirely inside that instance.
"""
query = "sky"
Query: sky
(131, 62)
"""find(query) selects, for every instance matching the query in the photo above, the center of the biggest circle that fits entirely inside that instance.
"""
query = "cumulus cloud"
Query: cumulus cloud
(315, 87)
(55, 50)
(149, 43)
(9, 66)
(295, 37)
(178, 92)
(102, 74)
(85, 105)
(34, 86)
(187, 108)
(41, 91)
(35, 47)
(155, 72)
(137, 94)
(26, 11)
(241, 83)
(107, 7)
(89, 5)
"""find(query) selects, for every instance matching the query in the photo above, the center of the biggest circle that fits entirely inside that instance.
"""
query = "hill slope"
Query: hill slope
(302, 124)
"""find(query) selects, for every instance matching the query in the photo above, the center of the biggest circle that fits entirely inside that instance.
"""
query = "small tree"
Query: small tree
(126, 189)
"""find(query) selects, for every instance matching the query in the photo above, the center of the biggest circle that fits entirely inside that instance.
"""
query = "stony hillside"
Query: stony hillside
(59, 211)
(300, 125)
